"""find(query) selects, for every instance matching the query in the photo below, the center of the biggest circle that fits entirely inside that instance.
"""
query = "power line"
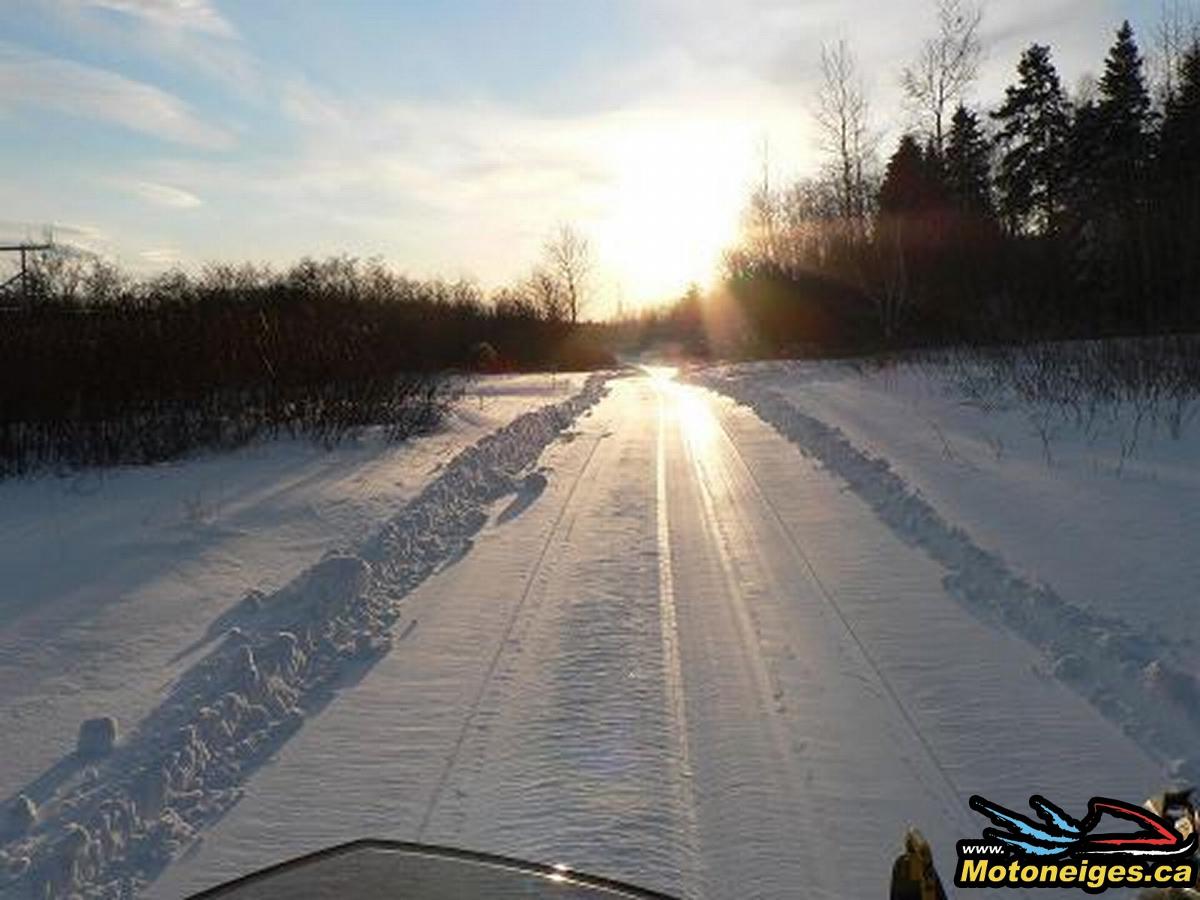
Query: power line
(22, 277)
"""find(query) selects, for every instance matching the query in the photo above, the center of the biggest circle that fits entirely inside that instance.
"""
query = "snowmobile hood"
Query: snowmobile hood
(370, 869)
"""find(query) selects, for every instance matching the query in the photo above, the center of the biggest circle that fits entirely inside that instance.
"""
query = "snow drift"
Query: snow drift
(1121, 668)
(104, 822)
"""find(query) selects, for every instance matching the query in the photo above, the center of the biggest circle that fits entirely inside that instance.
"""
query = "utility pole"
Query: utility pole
(23, 276)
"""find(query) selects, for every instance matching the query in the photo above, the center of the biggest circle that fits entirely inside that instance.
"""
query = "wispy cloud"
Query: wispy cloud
(652, 141)
(449, 187)
(68, 236)
(164, 195)
(15, 230)
(190, 35)
(158, 257)
(47, 83)
(186, 15)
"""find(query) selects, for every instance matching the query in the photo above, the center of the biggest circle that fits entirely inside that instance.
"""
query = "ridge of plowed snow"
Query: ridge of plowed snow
(1121, 670)
(107, 826)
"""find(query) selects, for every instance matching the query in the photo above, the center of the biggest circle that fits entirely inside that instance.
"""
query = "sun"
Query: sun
(677, 195)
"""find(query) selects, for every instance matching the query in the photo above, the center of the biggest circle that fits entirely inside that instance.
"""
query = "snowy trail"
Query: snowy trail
(1138, 680)
(693, 661)
(102, 824)
(107, 575)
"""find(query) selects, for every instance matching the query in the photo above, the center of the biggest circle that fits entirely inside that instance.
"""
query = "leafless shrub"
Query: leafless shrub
(1130, 386)
(103, 369)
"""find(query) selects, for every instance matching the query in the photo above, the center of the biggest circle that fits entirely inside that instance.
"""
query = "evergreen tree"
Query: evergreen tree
(1180, 139)
(913, 227)
(1086, 154)
(1119, 133)
(1124, 113)
(910, 184)
(1035, 123)
(1084, 214)
(1178, 196)
(968, 165)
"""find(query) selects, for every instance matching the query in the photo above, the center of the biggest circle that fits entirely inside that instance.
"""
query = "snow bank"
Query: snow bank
(106, 820)
(111, 580)
(1122, 669)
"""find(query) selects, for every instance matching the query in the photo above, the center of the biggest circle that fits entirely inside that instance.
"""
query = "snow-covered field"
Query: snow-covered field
(1115, 533)
(1081, 539)
(115, 582)
(717, 648)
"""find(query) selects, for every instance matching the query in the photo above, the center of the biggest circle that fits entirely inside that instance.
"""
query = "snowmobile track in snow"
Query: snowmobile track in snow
(473, 711)
(884, 682)
(1120, 670)
(105, 827)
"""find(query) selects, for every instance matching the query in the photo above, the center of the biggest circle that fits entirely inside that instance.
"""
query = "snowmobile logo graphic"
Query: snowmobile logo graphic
(1056, 850)
(1060, 835)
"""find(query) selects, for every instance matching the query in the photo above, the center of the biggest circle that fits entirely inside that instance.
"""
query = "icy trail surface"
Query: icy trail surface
(687, 655)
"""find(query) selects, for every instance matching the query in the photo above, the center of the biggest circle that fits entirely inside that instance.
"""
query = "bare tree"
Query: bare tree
(946, 67)
(843, 115)
(547, 294)
(1177, 30)
(761, 219)
(569, 259)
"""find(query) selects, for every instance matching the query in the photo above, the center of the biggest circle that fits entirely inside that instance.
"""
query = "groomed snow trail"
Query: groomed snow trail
(103, 824)
(106, 575)
(692, 661)
(1131, 676)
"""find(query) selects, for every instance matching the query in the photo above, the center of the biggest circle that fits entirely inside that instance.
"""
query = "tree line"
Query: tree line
(1048, 215)
(99, 367)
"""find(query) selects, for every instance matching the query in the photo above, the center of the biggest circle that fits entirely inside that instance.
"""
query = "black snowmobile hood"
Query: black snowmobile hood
(371, 869)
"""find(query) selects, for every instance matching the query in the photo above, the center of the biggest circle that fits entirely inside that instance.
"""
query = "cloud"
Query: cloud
(632, 145)
(185, 15)
(449, 188)
(72, 238)
(444, 156)
(179, 34)
(767, 53)
(165, 195)
(161, 257)
(44, 82)
(19, 230)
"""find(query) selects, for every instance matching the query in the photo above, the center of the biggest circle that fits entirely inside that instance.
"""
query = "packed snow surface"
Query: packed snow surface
(108, 817)
(711, 637)
(1074, 538)
(111, 578)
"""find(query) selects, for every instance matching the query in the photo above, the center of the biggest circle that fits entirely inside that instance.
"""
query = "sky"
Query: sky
(450, 138)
